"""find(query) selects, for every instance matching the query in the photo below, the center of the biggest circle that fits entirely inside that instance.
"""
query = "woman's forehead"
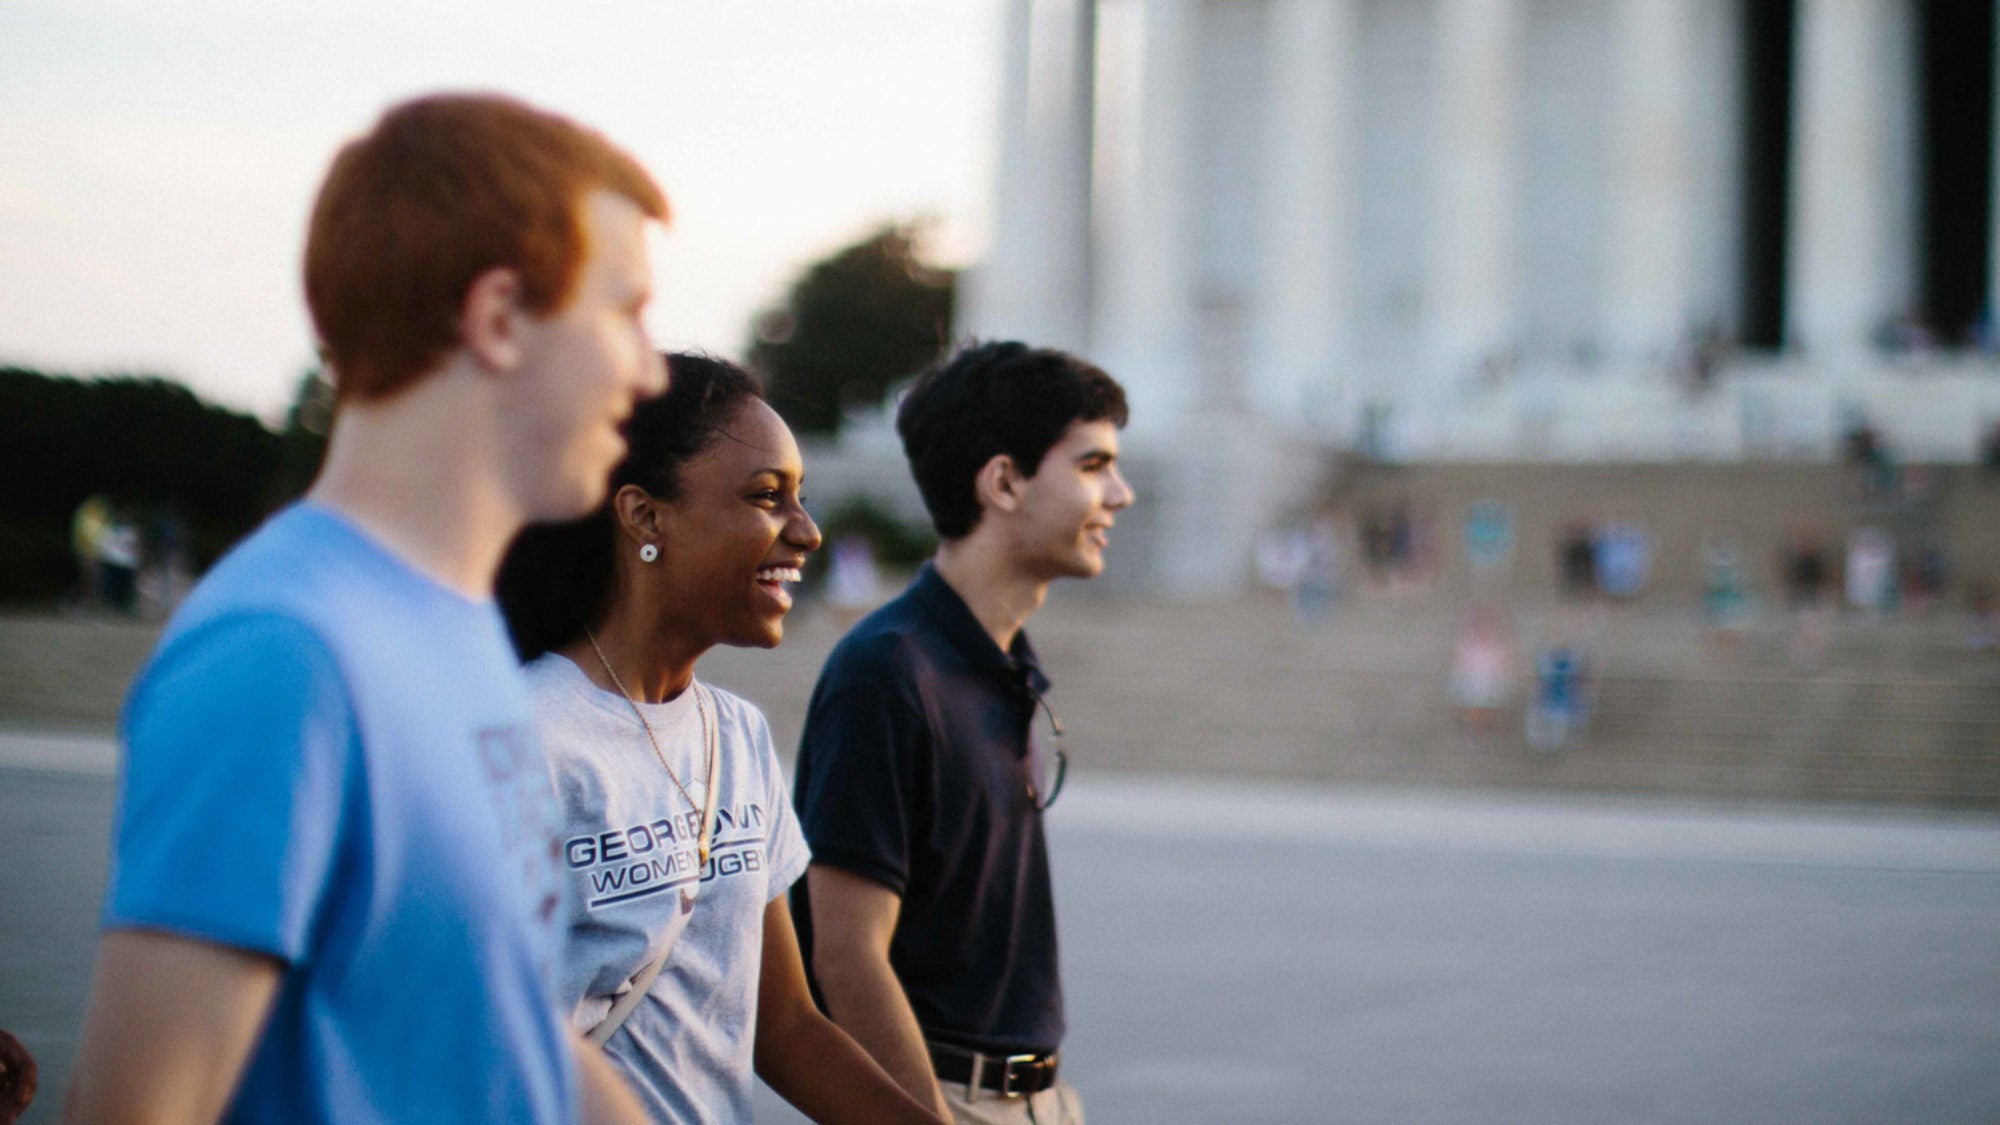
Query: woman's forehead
(753, 440)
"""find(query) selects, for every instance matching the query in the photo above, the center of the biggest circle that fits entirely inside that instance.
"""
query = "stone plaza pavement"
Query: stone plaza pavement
(1253, 952)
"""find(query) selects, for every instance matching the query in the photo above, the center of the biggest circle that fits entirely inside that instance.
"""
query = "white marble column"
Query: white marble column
(1993, 204)
(1144, 329)
(1648, 280)
(1063, 96)
(1036, 282)
(1851, 241)
(1302, 308)
(1474, 218)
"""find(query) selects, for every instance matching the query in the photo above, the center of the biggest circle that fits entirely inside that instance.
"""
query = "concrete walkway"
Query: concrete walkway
(1248, 953)
(1339, 956)
(1253, 954)
(82, 754)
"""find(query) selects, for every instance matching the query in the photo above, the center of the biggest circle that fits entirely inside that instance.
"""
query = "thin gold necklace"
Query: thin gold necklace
(709, 741)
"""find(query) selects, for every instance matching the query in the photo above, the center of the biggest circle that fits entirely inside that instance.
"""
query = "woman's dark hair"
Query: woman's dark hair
(556, 580)
(989, 399)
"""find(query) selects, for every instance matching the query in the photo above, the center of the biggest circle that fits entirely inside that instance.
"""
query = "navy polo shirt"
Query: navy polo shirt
(913, 772)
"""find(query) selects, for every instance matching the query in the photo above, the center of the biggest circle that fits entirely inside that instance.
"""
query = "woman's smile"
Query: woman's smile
(772, 580)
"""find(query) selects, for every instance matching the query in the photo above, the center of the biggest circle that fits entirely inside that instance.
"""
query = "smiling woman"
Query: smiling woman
(561, 579)
(679, 835)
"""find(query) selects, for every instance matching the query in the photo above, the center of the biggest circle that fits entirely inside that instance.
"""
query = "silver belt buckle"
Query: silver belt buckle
(975, 1081)
(1007, 1089)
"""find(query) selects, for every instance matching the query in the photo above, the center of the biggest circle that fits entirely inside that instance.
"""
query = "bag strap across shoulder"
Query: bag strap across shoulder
(641, 984)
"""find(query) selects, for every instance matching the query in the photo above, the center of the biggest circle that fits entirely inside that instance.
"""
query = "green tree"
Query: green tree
(855, 324)
(146, 444)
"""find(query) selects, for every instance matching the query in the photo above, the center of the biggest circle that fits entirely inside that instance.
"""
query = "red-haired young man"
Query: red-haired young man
(333, 893)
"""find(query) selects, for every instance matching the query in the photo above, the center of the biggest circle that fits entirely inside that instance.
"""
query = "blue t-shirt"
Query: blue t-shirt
(331, 759)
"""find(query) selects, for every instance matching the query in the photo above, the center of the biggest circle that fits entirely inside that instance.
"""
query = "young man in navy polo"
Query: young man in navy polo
(930, 750)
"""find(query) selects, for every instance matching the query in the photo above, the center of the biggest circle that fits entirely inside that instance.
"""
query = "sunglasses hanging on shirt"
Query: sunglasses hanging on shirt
(1048, 760)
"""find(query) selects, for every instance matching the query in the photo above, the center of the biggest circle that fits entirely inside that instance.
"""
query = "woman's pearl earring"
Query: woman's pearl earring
(648, 552)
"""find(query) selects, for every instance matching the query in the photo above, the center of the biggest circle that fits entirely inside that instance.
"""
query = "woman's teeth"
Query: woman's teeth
(778, 574)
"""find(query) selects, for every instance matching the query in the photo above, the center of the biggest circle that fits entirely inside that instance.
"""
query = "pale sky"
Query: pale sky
(161, 155)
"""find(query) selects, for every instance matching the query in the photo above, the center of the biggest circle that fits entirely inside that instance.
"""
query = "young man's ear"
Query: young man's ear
(998, 484)
(489, 321)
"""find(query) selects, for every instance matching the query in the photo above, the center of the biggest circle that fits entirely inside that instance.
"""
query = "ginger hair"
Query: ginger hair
(442, 190)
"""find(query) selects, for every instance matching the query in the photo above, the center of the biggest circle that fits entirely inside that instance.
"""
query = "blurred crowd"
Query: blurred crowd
(1886, 569)
(130, 561)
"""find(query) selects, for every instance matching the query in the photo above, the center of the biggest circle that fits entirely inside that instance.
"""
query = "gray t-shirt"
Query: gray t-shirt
(629, 845)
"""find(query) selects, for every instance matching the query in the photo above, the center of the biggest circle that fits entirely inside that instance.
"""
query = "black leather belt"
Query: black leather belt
(1010, 1076)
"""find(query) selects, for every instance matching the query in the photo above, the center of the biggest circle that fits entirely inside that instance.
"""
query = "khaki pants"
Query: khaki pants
(1057, 1105)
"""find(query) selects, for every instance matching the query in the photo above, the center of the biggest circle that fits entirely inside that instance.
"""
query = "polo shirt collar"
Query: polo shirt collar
(955, 619)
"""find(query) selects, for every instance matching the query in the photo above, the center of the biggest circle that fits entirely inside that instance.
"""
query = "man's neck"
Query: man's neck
(992, 585)
(420, 476)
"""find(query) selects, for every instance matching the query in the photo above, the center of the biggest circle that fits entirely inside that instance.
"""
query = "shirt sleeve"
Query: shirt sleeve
(858, 781)
(239, 745)
(786, 853)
